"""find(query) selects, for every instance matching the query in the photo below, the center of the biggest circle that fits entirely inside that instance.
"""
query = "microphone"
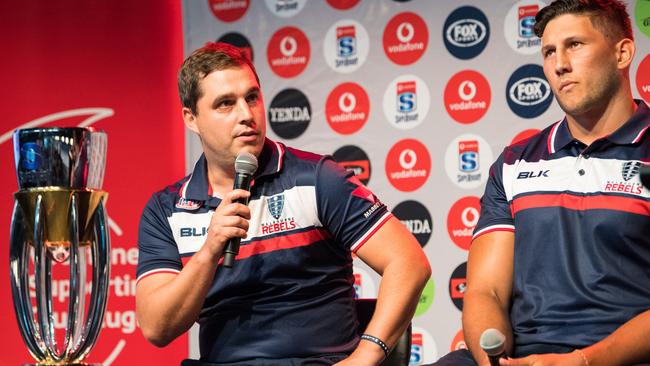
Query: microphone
(245, 167)
(493, 343)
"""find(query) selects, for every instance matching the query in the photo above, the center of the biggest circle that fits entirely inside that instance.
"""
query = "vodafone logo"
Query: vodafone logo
(347, 108)
(458, 342)
(523, 135)
(462, 219)
(643, 79)
(467, 96)
(229, 10)
(408, 165)
(405, 38)
(288, 52)
(342, 4)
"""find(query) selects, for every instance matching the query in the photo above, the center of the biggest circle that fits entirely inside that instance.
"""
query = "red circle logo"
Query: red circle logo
(467, 96)
(458, 342)
(347, 108)
(643, 79)
(462, 219)
(408, 165)
(405, 38)
(342, 4)
(288, 52)
(229, 10)
(521, 136)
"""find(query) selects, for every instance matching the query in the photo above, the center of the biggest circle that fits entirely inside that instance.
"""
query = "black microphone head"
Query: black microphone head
(493, 342)
(246, 163)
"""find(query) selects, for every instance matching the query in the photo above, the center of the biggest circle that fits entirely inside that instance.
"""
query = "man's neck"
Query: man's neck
(221, 175)
(603, 120)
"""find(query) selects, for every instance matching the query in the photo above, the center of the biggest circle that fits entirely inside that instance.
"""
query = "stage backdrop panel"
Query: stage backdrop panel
(417, 97)
(111, 65)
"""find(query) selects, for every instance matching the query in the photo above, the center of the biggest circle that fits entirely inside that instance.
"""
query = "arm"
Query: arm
(628, 345)
(168, 304)
(489, 287)
(395, 254)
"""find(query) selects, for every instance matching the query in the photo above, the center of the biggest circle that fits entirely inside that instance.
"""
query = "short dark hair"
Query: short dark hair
(608, 16)
(213, 56)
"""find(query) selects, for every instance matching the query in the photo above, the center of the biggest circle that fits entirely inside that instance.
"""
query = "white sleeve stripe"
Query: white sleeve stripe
(370, 231)
(492, 228)
(157, 270)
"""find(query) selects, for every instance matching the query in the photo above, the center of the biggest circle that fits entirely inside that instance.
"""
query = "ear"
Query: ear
(190, 120)
(625, 50)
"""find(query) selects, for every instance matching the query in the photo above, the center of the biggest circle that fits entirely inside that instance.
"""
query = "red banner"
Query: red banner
(111, 65)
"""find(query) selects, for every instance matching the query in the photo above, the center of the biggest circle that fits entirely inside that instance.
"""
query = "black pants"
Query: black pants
(324, 360)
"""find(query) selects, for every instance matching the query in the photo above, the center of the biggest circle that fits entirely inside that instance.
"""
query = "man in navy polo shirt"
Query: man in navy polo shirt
(560, 260)
(289, 299)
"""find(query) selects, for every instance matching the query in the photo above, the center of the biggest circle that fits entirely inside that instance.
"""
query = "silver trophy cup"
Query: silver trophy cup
(59, 217)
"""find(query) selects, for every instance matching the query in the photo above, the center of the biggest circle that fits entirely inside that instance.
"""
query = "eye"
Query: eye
(575, 44)
(548, 53)
(225, 104)
(252, 98)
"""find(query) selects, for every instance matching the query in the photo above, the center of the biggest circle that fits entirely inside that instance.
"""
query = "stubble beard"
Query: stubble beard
(596, 99)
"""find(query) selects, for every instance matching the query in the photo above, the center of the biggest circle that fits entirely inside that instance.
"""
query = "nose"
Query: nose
(562, 63)
(245, 111)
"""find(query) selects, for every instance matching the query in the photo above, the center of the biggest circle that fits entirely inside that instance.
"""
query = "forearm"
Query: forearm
(167, 311)
(399, 292)
(480, 312)
(628, 345)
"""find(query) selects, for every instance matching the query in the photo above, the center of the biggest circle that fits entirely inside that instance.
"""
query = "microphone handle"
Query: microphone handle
(242, 181)
(494, 360)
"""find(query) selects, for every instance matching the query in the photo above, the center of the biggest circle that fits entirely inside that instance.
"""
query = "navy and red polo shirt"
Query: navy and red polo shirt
(581, 221)
(290, 292)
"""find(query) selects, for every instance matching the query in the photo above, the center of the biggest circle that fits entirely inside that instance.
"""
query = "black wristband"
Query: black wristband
(376, 341)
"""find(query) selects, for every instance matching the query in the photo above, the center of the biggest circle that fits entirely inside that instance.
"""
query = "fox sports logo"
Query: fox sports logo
(466, 32)
(528, 93)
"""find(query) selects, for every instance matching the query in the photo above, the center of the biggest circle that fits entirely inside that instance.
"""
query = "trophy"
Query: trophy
(59, 218)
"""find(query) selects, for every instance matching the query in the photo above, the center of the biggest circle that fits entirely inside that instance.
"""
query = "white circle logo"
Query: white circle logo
(467, 162)
(518, 27)
(471, 90)
(347, 102)
(285, 8)
(405, 32)
(346, 46)
(406, 102)
(288, 46)
(408, 159)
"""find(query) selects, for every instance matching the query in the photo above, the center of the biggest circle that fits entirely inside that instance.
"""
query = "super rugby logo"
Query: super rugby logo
(463, 160)
(527, 92)
(518, 27)
(285, 8)
(466, 32)
(406, 101)
(275, 205)
(346, 46)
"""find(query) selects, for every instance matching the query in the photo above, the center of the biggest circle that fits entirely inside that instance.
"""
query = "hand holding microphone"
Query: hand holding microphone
(493, 342)
(245, 167)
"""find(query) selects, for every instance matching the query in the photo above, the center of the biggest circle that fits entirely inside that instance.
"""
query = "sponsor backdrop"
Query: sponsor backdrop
(418, 98)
